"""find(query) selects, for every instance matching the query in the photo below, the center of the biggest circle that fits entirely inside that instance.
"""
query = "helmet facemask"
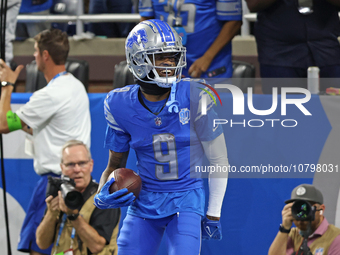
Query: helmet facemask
(166, 67)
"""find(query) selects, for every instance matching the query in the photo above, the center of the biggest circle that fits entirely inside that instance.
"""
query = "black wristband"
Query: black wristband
(283, 230)
(6, 83)
(72, 217)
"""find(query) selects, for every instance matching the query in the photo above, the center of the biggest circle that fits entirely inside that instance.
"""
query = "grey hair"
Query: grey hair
(72, 143)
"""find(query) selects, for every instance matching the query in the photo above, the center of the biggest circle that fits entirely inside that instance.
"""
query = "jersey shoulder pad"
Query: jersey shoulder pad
(123, 89)
(119, 94)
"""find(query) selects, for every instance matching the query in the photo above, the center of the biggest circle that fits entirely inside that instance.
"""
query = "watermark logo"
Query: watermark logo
(204, 97)
(239, 104)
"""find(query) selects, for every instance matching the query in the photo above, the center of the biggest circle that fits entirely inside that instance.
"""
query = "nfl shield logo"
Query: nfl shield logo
(184, 116)
(319, 251)
(158, 121)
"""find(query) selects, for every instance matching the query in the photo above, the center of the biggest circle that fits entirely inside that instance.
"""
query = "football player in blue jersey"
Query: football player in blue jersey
(207, 26)
(160, 118)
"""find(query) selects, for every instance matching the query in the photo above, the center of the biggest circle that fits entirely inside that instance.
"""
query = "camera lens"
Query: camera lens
(73, 199)
(302, 211)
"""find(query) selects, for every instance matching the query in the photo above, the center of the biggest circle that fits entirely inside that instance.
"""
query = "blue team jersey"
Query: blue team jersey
(167, 145)
(28, 6)
(202, 20)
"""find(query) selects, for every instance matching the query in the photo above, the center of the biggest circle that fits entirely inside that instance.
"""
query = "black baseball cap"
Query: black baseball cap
(306, 192)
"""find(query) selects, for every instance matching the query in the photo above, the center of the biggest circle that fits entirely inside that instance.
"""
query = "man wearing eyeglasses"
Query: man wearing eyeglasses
(322, 237)
(84, 229)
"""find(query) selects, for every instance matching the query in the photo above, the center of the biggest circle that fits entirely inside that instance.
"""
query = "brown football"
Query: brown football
(126, 178)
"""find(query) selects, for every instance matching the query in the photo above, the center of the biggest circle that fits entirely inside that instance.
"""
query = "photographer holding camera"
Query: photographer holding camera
(312, 234)
(72, 223)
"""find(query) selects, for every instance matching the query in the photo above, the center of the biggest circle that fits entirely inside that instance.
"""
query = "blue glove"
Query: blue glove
(211, 229)
(105, 200)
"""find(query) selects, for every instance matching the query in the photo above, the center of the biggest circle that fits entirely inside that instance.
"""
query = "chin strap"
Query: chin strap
(173, 103)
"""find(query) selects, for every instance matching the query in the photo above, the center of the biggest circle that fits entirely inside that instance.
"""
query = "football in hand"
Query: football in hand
(126, 178)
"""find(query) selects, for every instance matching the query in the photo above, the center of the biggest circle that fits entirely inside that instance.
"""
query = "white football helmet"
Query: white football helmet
(145, 41)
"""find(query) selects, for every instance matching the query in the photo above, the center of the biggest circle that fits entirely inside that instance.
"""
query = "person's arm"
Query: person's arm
(260, 5)
(89, 236)
(116, 160)
(6, 114)
(146, 10)
(120, 198)
(227, 33)
(117, 141)
(216, 152)
(47, 227)
(279, 245)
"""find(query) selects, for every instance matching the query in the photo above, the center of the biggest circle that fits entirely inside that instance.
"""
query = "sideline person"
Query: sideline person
(54, 114)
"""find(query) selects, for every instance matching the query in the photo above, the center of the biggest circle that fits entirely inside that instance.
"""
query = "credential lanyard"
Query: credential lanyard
(177, 18)
(57, 75)
(73, 233)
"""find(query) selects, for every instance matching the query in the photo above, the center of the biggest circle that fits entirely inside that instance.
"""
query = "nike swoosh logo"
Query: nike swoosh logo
(208, 230)
(100, 203)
